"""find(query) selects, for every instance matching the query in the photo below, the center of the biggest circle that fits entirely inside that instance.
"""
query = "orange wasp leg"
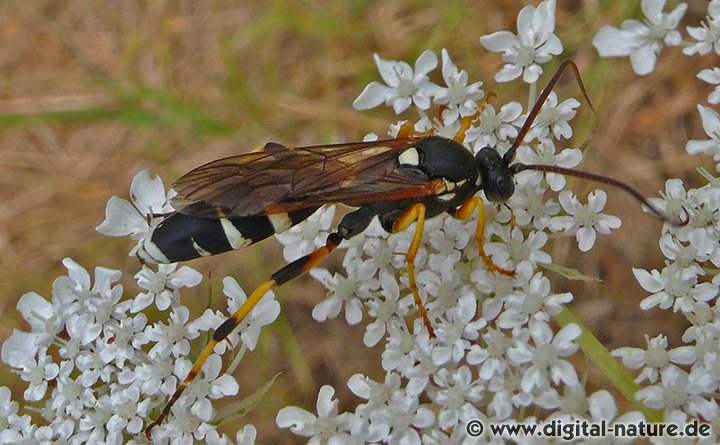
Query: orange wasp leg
(282, 276)
(468, 120)
(464, 212)
(415, 213)
(407, 129)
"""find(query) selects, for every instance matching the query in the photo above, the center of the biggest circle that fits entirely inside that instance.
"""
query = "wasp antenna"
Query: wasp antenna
(515, 168)
(510, 155)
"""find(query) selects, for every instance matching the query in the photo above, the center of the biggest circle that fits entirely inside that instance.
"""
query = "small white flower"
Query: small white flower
(707, 34)
(455, 333)
(156, 376)
(303, 238)
(320, 428)
(555, 118)
(402, 417)
(404, 86)
(210, 384)
(399, 349)
(459, 97)
(545, 356)
(36, 370)
(712, 76)
(70, 396)
(128, 412)
(544, 153)
(248, 331)
(377, 394)
(494, 127)
(350, 291)
(44, 324)
(456, 388)
(171, 338)
(442, 281)
(385, 308)
(584, 220)
(162, 286)
(533, 301)
(673, 201)
(529, 205)
(655, 358)
(517, 249)
(642, 41)
(8, 407)
(87, 309)
(183, 426)
(494, 357)
(424, 368)
(534, 44)
(697, 249)
(148, 198)
(711, 125)
(676, 287)
(675, 391)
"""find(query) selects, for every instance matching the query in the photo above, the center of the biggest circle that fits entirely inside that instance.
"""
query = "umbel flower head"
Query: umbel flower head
(535, 43)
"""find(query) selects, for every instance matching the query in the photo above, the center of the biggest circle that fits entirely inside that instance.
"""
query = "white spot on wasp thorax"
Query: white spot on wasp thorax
(409, 157)
(198, 249)
(447, 196)
(280, 222)
(233, 235)
(449, 186)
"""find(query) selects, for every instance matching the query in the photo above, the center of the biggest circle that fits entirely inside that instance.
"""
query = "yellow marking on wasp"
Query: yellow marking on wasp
(198, 249)
(438, 186)
(233, 235)
(464, 212)
(151, 253)
(280, 222)
(415, 213)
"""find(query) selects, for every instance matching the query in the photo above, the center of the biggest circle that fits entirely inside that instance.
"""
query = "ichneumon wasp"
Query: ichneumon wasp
(236, 201)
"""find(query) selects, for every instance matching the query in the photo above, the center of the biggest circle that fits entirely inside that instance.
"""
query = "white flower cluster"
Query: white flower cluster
(101, 370)
(682, 382)
(97, 369)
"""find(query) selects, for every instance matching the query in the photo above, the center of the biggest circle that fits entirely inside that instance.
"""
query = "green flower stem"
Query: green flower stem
(612, 368)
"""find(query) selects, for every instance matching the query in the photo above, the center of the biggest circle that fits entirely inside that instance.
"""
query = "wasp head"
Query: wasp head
(496, 178)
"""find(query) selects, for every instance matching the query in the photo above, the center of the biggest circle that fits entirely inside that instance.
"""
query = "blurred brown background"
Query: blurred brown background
(92, 92)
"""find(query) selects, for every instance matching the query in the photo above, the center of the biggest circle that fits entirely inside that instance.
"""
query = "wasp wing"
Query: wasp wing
(287, 179)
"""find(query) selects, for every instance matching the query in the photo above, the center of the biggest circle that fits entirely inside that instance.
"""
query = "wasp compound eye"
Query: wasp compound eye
(499, 186)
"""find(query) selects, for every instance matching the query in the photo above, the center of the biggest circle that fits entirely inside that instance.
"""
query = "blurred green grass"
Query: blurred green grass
(92, 92)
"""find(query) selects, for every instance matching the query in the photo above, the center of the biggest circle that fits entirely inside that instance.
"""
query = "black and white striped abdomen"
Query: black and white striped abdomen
(181, 237)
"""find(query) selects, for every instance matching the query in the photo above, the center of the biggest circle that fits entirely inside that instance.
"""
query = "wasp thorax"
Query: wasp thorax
(496, 178)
